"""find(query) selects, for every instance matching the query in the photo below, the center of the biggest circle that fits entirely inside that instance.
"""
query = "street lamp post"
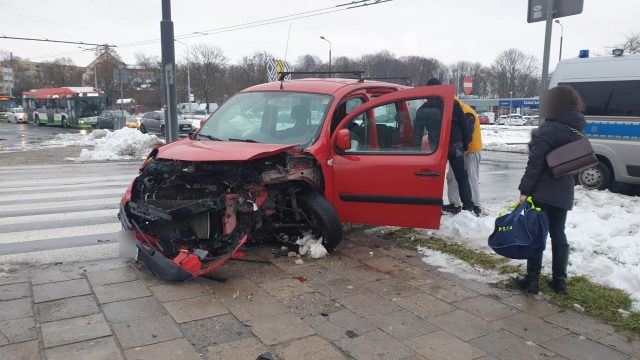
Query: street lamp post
(188, 74)
(510, 103)
(327, 40)
(561, 38)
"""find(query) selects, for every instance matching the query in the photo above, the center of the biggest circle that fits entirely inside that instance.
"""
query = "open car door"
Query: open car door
(390, 157)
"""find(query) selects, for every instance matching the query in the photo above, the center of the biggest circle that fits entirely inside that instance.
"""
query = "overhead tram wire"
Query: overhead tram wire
(270, 21)
(248, 25)
(51, 41)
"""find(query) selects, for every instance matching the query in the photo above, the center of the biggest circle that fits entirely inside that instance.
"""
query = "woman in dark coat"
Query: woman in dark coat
(562, 108)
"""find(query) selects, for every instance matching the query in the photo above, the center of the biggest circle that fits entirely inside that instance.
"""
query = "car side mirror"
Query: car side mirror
(344, 140)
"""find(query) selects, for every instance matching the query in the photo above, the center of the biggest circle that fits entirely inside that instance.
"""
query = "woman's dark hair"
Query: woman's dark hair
(560, 100)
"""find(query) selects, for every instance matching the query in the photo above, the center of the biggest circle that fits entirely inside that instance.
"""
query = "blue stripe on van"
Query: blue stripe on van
(603, 129)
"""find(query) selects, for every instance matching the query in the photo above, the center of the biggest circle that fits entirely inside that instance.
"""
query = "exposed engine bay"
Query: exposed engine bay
(191, 217)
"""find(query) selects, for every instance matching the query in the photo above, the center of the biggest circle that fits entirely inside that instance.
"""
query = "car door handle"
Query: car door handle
(427, 173)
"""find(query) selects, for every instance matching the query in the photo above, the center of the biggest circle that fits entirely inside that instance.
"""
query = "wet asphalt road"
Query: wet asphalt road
(26, 136)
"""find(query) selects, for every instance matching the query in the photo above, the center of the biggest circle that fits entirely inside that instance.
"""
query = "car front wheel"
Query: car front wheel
(322, 218)
(143, 129)
(596, 178)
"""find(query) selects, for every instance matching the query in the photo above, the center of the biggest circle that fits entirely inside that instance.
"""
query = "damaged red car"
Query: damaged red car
(284, 159)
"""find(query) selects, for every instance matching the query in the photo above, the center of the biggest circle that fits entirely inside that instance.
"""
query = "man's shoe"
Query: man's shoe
(477, 210)
(526, 283)
(559, 286)
(451, 208)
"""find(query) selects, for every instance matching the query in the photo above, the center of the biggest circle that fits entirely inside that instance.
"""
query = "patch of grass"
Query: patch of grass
(400, 234)
(474, 258)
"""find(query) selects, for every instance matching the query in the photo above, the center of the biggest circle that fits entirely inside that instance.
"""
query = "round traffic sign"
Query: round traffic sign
(467, 85)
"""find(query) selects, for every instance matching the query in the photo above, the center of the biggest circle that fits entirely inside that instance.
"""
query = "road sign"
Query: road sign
(120, 76)
(275, 68)
(467, 85)
(561, 8)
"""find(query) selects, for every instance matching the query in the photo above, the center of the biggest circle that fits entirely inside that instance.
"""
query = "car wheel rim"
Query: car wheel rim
(591, 177)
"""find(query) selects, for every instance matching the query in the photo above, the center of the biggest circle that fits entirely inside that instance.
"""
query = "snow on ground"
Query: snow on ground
(603, 230)
(122, 144)
(506, 138)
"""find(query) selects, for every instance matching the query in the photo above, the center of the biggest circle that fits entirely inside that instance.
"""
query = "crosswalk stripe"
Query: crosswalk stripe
(57, 204)
(46, 234)
(65, 180)
(76, 187)
(55, 195)
(80, 253)
(33, 219)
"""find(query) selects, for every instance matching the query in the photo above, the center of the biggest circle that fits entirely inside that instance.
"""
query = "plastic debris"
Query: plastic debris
(311, 246)
(299, 261)
(578, 307)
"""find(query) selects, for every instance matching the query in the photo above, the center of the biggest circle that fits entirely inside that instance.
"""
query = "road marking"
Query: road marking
(80, 253)
(76, 187)
(47, 234)
(58, 204)
(66, 180)
(34, 219)
(54, 195)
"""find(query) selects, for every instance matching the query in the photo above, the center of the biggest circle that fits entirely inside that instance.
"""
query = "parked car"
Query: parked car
(287, 160)
(484, 119)
(153, 122)
(109, 118)
(532, 120)
(502, 120)
(16, 115)
(516, 119)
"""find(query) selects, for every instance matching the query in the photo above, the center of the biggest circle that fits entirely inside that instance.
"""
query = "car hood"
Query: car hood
(191, 150)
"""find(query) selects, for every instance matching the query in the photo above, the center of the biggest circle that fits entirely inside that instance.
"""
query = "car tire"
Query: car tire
(325, 217)
(598, 177)
(143, 129)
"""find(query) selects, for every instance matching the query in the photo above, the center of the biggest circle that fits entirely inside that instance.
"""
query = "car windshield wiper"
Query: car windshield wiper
(244, 140)
(209, 137)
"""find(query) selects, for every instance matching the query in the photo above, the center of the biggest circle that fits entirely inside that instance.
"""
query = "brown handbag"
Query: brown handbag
(572, 158)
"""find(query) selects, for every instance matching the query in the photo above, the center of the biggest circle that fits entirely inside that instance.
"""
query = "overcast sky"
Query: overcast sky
(451, 30)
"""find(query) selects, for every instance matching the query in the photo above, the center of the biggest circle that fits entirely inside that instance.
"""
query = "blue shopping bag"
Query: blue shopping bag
(521, 234)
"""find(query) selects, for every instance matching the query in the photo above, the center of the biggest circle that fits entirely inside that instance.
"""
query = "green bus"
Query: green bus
(66, 106)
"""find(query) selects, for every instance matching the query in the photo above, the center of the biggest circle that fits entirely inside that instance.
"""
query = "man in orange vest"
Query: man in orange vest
(472, 159)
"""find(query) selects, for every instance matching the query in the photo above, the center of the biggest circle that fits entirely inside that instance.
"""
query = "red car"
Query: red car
(281, 160)
(484, 119)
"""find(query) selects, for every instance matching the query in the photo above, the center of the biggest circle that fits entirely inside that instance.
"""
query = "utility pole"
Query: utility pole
(168, 73)
(13, 74)
(547, 49)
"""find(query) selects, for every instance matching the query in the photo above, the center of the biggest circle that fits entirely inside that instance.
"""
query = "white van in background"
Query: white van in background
(610, 87)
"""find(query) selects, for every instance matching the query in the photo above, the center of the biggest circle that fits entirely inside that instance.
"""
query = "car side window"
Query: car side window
(399, 127)
(343, 109)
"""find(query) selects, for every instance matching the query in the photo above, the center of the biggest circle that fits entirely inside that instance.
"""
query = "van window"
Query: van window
(609, 98)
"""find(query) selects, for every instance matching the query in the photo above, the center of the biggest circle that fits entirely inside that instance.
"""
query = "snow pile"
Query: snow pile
(122, 144)
(451, 264)
(506, 138)
(312, 247)
(603, 230)
(75, 139)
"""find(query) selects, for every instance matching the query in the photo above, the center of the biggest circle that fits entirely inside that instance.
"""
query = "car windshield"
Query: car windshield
(269, 117)
(17, 110)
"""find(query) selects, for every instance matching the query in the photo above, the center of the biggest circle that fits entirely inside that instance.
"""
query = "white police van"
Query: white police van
(610, 87)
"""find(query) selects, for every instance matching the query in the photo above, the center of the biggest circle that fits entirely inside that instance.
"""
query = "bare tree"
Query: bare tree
(631, 44)
(251, 70)
(420, 69)
(513, 73)
(308, 63)
(62, 72)
(207, 72)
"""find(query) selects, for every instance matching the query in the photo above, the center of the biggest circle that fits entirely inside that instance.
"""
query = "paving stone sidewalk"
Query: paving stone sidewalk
(369, 300)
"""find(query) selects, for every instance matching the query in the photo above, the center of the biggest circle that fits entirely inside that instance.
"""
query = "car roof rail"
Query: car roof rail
(357, 73)
(406, 79)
